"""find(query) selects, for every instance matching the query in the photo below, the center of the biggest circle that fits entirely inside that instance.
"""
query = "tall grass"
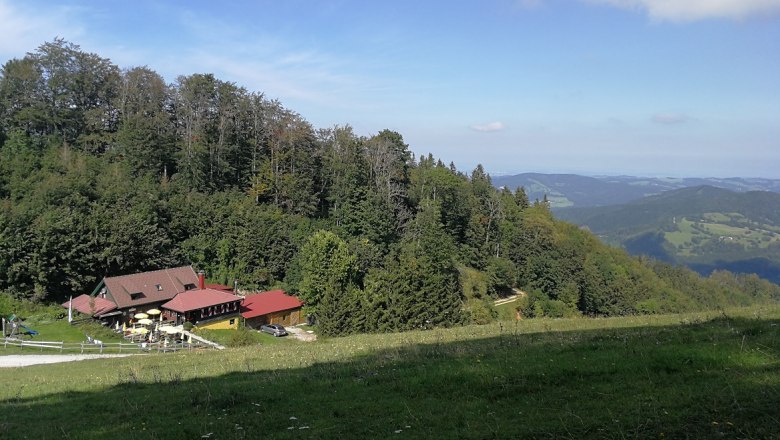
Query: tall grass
(701, 375)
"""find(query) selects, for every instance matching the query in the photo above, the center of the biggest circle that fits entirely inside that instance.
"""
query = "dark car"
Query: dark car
(274, 329)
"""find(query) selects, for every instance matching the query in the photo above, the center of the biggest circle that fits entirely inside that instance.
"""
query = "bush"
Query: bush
(648, 307)
(242, 338)
(473, 282)
(554, 308)
(28, 310)
(501, 275)
(540, 305)
(479, 311)
(188, 326)
(522, 307)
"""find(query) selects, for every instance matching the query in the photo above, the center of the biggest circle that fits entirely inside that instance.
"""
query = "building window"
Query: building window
(232, 321)
(137, 295)
(158, 286)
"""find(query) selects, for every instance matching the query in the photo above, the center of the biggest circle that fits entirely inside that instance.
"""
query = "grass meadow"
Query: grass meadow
(707, 375)
(715, 228)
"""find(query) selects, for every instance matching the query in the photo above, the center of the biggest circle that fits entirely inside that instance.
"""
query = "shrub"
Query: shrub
(540, 305)
(479, 311)
(648, 307)
(554, 308)
(242, 338)
(473, 282)
(28, 310)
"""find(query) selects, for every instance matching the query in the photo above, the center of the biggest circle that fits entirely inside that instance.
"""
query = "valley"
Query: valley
(704, 228)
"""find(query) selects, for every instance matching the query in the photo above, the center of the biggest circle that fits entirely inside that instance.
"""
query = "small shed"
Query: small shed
(273, 307)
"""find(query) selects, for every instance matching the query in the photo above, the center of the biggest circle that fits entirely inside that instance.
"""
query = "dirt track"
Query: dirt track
(24, 360)
(300, 333)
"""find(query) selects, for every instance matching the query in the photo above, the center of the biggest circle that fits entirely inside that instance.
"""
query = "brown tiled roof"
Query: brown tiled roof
(90, 306)
(171, 281)
(198, 299)
(264, 303)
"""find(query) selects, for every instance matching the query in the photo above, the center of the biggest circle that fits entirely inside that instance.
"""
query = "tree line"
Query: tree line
(107, 171)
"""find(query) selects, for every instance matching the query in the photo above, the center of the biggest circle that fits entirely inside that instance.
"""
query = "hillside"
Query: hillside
(703, 227)
(571, 190)
(672, 376)
(114, 180)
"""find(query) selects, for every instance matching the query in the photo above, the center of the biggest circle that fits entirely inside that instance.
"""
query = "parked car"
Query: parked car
(274, 329)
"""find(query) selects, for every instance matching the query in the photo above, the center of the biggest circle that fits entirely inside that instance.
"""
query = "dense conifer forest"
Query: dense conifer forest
(107, 171)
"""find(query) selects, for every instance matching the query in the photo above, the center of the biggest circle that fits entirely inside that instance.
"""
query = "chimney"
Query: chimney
(201, 279)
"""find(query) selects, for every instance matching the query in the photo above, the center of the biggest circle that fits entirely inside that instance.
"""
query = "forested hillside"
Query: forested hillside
(704, 227)
(107, 171)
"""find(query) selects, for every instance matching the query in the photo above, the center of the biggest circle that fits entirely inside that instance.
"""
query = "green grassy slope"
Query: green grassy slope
(694, 376)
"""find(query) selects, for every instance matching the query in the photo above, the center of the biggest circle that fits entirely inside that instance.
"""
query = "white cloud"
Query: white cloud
(670, 118)
(295, 76)
(692, 10)
(490, 126)
(26, 29)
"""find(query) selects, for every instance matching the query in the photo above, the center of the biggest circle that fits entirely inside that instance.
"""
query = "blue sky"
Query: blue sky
(642, 87)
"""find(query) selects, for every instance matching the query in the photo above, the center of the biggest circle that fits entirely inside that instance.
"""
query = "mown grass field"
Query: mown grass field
(60, 331)
(732, 228)
(710, 375)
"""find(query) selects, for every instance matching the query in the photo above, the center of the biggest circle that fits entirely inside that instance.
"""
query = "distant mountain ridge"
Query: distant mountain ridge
(566, 190)
(704, 227)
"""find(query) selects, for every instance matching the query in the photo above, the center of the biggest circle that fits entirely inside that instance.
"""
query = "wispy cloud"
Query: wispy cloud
(693, 10)
(490, 126)
(670, 118)
(280, 67)
(294, 76)
(25, 28)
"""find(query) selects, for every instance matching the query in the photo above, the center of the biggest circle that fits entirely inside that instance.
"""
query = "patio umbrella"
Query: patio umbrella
(140, 330)
(153, 312)
(140, 316)
(145, 321)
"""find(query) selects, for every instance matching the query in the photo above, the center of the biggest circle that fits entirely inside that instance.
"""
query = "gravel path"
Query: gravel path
(300, 333)
(23, 360)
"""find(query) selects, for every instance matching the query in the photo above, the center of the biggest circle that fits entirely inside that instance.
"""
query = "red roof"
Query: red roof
(199, 299)
(90, 306)
(219, 287)
(264, 303)
(149, 287)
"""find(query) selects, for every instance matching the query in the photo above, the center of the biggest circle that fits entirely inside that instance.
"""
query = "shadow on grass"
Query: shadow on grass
(705, 380)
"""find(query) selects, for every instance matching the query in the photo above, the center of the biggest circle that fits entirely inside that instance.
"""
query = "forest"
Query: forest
(107, 170)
